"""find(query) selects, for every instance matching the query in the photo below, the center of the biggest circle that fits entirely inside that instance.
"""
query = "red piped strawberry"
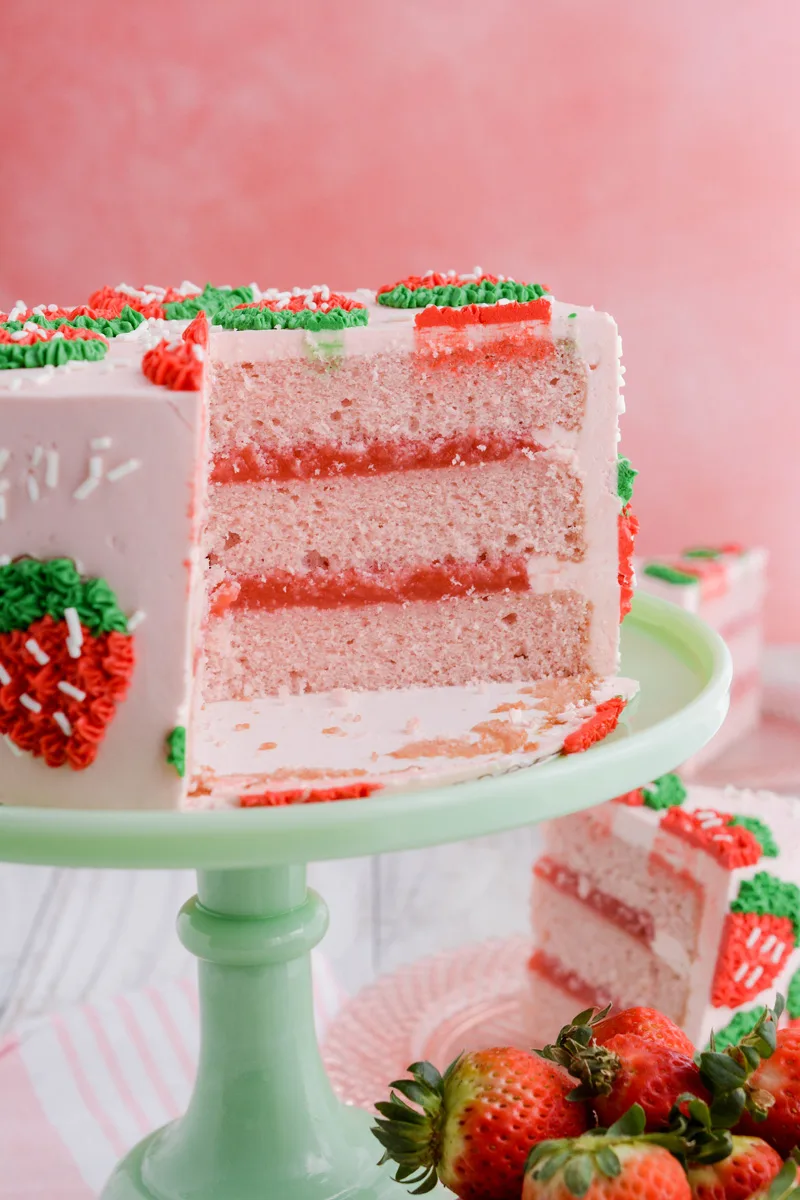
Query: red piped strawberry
(745, 1174)
(760, 933)
(603, 722)
(66, 659)
(478, 1121)
(626, 1067)
(627, 529)
(730, 844)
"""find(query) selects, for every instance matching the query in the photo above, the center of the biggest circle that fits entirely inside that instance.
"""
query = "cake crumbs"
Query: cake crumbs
(242, 725)
(334, 731)
(268, 746)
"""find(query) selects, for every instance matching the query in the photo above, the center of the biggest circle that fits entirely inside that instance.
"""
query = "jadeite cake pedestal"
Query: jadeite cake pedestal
(263, 1122)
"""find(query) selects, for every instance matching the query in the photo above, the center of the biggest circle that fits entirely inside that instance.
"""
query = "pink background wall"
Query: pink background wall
(639, 156)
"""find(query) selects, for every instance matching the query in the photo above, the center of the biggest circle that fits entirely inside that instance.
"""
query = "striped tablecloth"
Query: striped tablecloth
(78, 1088)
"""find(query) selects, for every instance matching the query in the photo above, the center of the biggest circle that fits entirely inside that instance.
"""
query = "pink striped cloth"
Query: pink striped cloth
(79, 1088)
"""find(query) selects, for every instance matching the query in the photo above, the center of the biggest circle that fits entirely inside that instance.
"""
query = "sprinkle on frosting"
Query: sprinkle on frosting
(77, 318)
(176, 749)
(314, 309)
(455, 291)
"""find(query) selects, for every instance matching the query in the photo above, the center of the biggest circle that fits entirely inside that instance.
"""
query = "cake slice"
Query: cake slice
(685, 901)
(725, 587)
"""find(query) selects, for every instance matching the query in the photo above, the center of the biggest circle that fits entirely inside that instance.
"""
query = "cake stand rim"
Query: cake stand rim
(233, 838)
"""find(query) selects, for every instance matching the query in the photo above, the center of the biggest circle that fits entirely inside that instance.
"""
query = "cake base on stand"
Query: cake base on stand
(263, 1122)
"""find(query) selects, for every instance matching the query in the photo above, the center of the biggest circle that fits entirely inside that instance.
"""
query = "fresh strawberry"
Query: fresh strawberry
(477, 1122)
(779, 1077)
(620, 1163)
(650, 1074)
(760, 933)
(747, 1172)
(626, 1068)
(646, 1023)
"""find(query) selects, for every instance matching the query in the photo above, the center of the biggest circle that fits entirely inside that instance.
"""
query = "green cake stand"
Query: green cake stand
(263, 1122)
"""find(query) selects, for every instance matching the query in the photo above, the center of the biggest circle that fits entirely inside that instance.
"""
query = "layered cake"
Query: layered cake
(725, 586)
(684, 900)
(251, 495)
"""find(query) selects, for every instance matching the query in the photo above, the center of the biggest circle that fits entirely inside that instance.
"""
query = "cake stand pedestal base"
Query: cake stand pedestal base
(263, 1122)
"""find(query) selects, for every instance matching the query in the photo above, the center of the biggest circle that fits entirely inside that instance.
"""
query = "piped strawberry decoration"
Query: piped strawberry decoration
(732, 844)
(178, 363)
(761, 931)
(66, 660)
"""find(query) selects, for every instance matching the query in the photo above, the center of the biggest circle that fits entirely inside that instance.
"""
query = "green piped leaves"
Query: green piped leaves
(31, 588)
(669, 574)
(456, 295)
(176, 749)
(766, 894)
(668, 791)
(284, 318)
(55, 352)
(626, 473)
(210, 301)
(761, 832)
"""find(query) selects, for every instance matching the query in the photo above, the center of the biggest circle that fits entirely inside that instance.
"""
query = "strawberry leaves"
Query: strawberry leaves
(726, 1073)
(576, 1051)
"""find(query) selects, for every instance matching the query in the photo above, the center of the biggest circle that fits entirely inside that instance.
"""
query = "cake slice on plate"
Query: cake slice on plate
(724, 586)
(687, 901)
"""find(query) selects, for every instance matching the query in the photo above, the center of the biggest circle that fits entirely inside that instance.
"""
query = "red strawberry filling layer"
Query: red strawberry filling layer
(255, 464)
(638, 924)
(554, 972)
(319, 589)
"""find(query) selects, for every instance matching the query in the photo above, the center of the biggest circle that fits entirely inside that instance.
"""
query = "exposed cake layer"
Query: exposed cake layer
(494, 637)
(527, 506)
(638, 878)
(614, 960)
(350, 400)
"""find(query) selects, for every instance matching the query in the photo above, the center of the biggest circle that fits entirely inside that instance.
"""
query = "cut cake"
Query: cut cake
(688, 902)
(257, 494)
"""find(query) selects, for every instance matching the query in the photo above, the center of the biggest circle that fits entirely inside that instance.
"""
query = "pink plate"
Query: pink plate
(465, 999)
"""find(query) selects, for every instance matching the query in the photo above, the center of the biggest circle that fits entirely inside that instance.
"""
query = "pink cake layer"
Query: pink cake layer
(616, 963)
(645, 883)
(293, 401)
(497, 638)
(549, 1004)
(522, 506)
